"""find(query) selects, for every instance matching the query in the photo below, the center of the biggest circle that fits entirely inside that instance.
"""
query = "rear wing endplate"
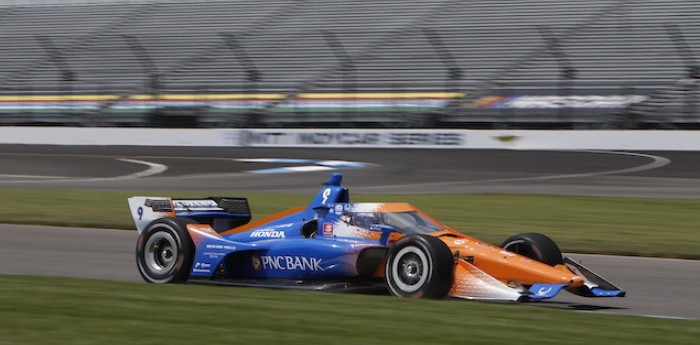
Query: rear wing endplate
(146, 209)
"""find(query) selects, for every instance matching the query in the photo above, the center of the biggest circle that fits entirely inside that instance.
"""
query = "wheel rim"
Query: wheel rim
(410, 270)
(161, 252)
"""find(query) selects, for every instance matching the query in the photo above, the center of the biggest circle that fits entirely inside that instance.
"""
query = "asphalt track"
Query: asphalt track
(656, 287)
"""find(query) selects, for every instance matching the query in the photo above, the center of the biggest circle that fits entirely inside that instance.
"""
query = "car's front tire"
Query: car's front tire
(164, 251)
(419, 266)
(535, 246)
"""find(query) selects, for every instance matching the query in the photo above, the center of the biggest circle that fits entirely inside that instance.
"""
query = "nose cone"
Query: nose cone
(574, 281)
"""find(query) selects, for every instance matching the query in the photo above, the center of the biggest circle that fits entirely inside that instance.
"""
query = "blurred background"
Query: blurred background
(330, 63)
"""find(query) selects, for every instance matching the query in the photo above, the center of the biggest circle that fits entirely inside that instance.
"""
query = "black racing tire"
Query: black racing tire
(419, 266)
(535, 246)
(165, 251)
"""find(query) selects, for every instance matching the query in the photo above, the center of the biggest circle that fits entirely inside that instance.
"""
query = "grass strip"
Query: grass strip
(607, 225)
(46, 311)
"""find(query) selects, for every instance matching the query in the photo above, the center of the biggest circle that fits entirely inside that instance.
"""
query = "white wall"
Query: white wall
(389, 138)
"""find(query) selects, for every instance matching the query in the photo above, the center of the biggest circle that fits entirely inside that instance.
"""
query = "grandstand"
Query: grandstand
(435, 63)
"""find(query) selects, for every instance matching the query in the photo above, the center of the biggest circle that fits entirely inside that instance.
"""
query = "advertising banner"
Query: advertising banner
(349, 138)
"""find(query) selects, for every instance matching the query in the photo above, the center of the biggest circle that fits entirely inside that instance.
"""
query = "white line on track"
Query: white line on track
(31, 176)
(153, 169)
(657, 162)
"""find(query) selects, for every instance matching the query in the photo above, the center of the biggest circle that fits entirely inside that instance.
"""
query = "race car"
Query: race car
(334, 244)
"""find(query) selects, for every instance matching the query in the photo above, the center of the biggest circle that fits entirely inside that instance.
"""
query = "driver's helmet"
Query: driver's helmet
(364, 219)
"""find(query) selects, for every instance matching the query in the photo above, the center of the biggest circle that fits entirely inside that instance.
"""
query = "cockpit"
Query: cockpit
(406, 222)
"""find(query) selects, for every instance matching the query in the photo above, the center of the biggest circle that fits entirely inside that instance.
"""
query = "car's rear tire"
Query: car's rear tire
(535, 246)
(419, 266)
(165, 251)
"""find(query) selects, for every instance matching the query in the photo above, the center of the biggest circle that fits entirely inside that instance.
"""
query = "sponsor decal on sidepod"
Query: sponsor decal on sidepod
(202, 267)
(287, 263)
(268, 234)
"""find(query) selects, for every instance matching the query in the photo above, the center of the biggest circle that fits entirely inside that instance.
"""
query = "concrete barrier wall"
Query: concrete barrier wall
(363, 138)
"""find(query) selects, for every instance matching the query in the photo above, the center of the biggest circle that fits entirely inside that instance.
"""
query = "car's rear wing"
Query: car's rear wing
(222, 213)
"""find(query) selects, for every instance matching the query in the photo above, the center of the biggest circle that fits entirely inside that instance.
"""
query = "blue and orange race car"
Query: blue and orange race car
(334, 244)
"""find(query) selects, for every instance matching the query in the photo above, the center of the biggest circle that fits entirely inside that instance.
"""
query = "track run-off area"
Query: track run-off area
(656, 287)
